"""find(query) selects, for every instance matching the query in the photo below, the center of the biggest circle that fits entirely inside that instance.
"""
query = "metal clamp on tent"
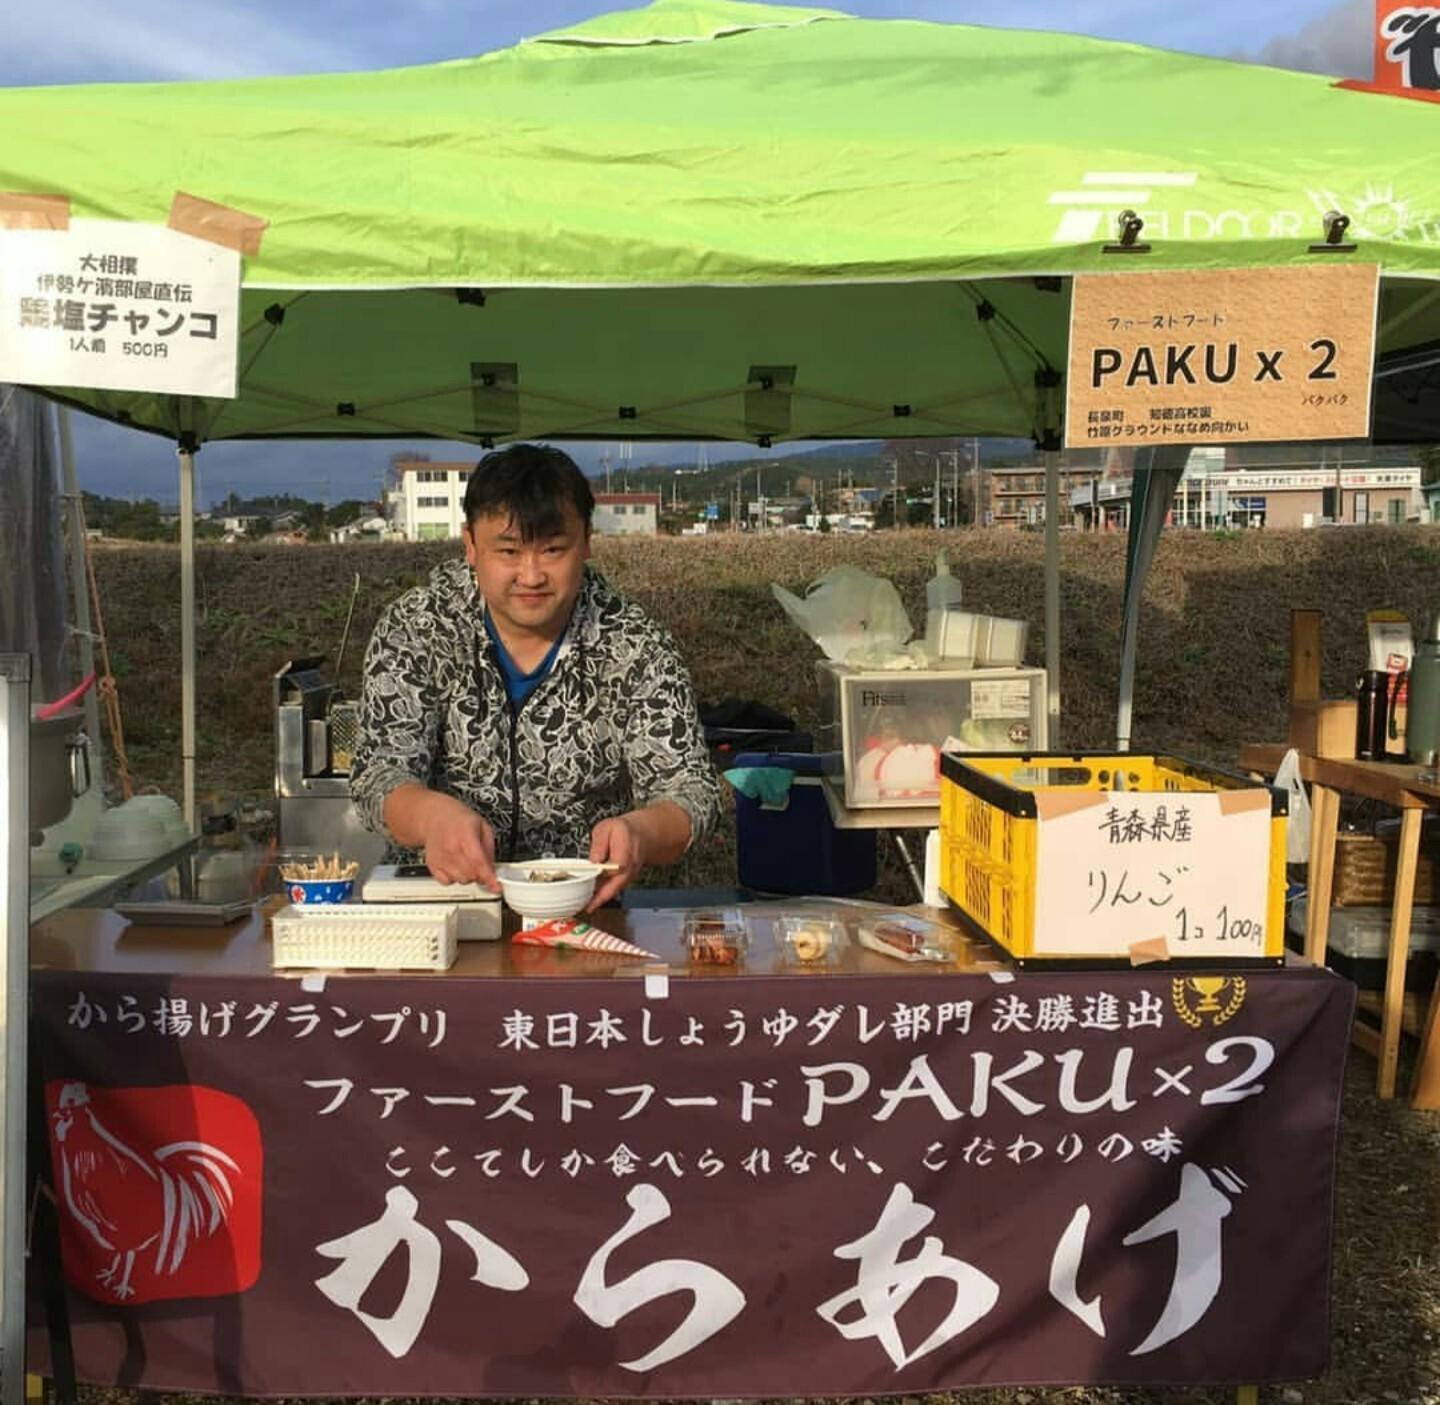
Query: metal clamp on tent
(1335, 224)
(1129, 224)
(495, 398)
(767, 402)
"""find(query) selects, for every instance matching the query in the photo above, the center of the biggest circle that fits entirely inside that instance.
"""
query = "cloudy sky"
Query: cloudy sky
(87, 41)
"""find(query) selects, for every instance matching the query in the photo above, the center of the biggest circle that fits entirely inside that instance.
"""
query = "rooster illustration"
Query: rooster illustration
(132, 1204)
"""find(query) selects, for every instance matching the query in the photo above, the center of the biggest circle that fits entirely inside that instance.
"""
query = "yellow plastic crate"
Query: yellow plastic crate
(1202, 880)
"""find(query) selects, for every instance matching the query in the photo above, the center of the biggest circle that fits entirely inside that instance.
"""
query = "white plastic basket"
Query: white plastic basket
(393, 937)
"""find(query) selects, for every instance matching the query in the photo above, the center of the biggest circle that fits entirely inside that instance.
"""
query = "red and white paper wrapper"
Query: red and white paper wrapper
(580, 936)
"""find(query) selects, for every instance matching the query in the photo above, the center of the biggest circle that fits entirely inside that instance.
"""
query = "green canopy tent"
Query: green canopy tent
(720, 220)
(707, 219)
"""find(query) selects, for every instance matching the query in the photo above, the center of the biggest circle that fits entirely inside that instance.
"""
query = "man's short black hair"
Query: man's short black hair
(530, 484)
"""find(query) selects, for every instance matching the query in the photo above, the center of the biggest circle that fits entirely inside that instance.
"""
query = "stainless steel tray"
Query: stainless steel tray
(183, 914)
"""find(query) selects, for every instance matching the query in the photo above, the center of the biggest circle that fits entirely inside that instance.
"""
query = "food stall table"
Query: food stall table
(1403, 786)
(552, 1173)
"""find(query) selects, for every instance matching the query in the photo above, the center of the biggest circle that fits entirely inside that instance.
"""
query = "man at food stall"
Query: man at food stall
(516, 705)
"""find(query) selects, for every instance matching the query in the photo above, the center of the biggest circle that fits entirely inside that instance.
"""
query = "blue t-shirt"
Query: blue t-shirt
(520, 685)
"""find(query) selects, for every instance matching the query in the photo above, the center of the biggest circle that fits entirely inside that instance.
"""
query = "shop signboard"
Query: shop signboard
(1221, 356)
(113, 305)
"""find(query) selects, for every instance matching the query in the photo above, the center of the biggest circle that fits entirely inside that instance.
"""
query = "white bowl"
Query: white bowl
(548, 898)
(164, 809)
(124, 833)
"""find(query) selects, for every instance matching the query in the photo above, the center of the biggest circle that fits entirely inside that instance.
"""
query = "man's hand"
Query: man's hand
(617, 841)
(653, 834)
(459, 844)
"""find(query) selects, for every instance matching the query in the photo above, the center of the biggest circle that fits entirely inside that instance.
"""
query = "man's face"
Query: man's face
(531, 586)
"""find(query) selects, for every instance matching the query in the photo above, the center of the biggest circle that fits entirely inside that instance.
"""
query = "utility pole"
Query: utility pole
(935, 501)
(975, 453)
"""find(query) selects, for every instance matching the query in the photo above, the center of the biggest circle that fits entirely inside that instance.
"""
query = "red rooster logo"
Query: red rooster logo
(149, 1212)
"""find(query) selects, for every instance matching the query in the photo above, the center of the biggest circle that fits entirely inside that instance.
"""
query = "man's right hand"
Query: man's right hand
(459, 844)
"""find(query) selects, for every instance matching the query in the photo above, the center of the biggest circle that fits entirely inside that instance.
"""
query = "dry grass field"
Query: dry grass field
(1213, 661)
(1212, 653)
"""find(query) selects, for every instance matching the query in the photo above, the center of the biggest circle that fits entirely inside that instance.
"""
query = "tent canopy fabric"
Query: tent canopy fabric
(705, 219)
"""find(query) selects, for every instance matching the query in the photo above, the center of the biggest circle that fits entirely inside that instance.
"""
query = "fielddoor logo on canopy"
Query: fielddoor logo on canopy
(1173, 208)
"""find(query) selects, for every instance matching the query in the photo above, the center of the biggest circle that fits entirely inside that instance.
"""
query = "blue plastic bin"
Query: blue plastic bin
(798, 850)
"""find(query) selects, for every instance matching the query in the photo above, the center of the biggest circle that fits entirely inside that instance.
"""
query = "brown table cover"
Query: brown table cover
(551, 1174)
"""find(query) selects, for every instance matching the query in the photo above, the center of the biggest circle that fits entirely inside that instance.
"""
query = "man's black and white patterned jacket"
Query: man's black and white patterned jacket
(612, 727)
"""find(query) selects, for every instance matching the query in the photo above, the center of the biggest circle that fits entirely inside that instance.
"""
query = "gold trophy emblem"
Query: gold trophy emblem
(1209, 990)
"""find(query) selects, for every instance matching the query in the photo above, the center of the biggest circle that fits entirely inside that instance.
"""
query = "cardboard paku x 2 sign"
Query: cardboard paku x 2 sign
(1407, 45)
(1221, 356)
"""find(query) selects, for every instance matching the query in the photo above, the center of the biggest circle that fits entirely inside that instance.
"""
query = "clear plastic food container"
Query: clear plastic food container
(904, 936)
(716, 937)
(809, 941)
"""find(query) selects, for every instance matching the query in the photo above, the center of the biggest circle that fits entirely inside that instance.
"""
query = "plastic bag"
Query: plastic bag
(848, 609)
(1297, 831)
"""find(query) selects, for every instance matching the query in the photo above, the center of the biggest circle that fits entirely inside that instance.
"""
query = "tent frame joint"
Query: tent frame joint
(1334, 224)
(1129, 225)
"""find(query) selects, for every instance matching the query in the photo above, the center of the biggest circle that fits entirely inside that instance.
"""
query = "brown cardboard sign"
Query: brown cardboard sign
(1221, 356)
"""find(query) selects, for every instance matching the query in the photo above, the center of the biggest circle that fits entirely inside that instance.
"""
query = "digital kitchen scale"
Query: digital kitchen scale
(414, 883)
(478, 908)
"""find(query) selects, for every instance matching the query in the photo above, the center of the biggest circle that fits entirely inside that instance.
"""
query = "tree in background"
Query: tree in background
(129, 521)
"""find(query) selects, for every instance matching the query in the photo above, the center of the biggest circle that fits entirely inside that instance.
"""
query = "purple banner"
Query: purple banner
(720, 1187)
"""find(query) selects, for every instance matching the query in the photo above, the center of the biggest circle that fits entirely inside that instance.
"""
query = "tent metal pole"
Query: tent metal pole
(1052, 597)
(1158, 470)
(1130, 614)
(186, 452)
(14, 1005)
(80, 582)
(1127, 672)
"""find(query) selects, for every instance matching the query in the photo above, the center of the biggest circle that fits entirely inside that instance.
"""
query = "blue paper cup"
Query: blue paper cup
(304, 892)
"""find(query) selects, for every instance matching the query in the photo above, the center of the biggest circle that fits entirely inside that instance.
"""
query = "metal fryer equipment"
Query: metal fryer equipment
(315, 737)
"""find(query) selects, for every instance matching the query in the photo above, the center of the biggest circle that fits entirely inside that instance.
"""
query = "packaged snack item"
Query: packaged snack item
(903, 936)
(810, 941)
(715, 938)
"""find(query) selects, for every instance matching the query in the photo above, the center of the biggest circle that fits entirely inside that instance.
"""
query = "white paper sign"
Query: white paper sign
(1000, 698)
(1120, 868)
(110, 305)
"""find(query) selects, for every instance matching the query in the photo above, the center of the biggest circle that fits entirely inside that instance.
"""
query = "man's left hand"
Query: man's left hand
(617, 841)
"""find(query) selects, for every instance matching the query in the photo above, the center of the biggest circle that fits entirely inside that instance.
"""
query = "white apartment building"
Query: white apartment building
(626, 514)
(428, 504)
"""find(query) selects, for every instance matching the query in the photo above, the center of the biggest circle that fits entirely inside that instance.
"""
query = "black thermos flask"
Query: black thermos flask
(1371, 713)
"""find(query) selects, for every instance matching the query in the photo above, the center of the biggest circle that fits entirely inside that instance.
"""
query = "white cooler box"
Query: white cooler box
(883, 730)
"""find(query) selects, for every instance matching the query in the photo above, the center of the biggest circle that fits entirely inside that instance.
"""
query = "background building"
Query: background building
(1217, 492)
(428, 500)
(427, 503)
(626, 514)
(1016, 496)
